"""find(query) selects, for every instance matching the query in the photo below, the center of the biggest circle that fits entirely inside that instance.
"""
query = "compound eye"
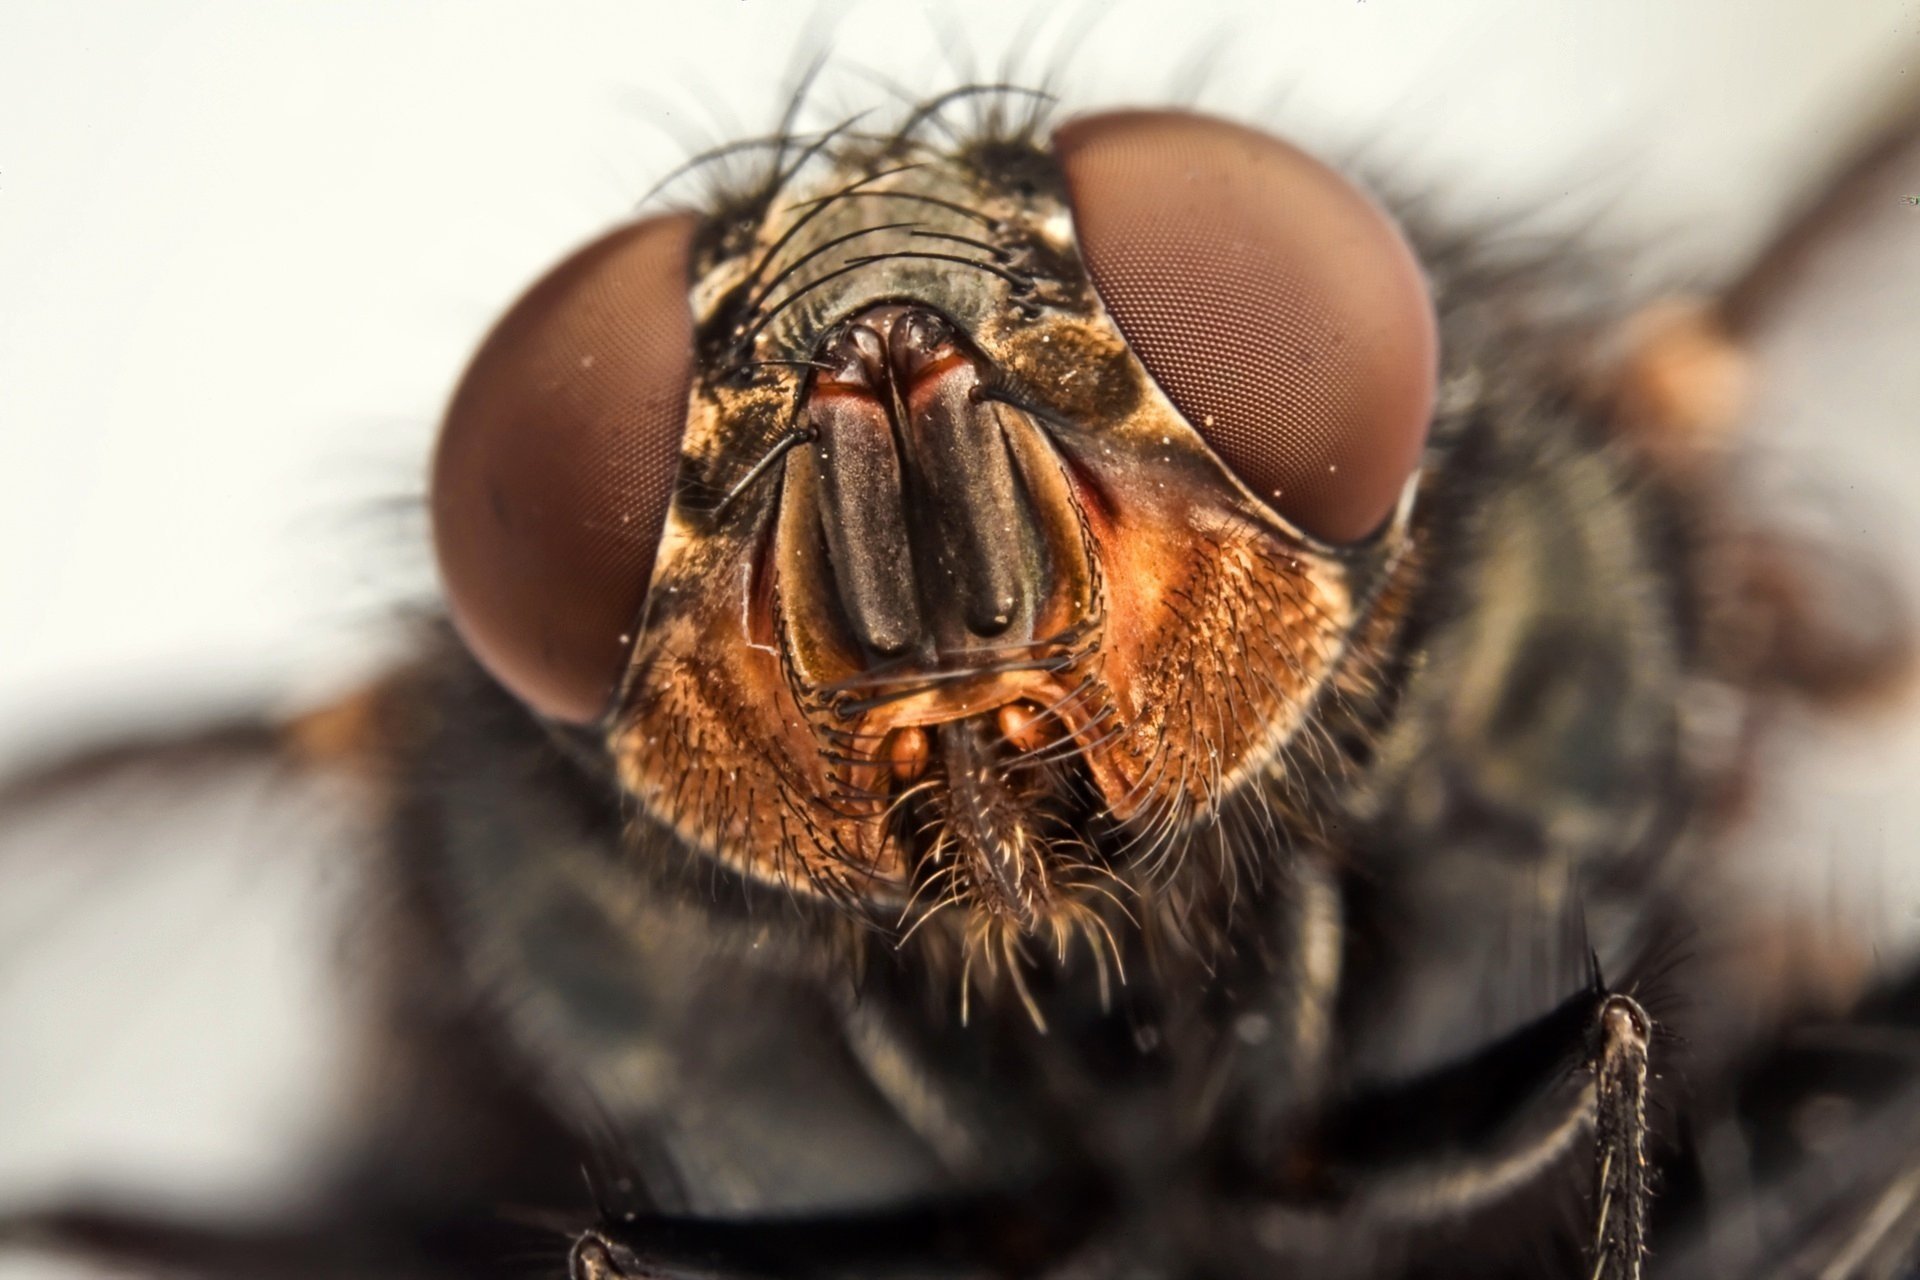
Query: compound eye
(1282, 312)
(556, 464)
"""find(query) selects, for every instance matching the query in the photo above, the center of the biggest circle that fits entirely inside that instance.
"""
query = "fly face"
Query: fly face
(1027, 498)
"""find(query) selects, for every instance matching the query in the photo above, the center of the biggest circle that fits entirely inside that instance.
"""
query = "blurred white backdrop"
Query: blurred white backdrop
(246, 245)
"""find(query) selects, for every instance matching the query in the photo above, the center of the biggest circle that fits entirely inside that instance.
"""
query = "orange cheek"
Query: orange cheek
(1211, 639)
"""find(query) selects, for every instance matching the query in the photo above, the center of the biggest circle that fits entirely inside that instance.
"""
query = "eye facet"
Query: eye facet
(1282, 313)
(556, 464)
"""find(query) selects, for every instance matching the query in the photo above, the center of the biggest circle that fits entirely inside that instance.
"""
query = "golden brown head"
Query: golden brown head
(946, 533)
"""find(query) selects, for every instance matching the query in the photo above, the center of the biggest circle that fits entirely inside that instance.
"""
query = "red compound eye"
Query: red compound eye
(556, 465)
(1282, 313)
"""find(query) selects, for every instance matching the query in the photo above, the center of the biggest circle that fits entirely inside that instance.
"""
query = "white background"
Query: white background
(246, 246)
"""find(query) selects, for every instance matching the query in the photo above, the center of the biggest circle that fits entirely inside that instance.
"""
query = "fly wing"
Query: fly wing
(170, 1028)
(1811, 1163)
(1830, 315)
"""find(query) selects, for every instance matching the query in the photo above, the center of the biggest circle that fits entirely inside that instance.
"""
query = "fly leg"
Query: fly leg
(983, 1238)
(1619, 1066)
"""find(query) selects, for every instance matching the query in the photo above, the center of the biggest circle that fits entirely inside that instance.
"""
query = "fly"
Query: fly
(1008, 701)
